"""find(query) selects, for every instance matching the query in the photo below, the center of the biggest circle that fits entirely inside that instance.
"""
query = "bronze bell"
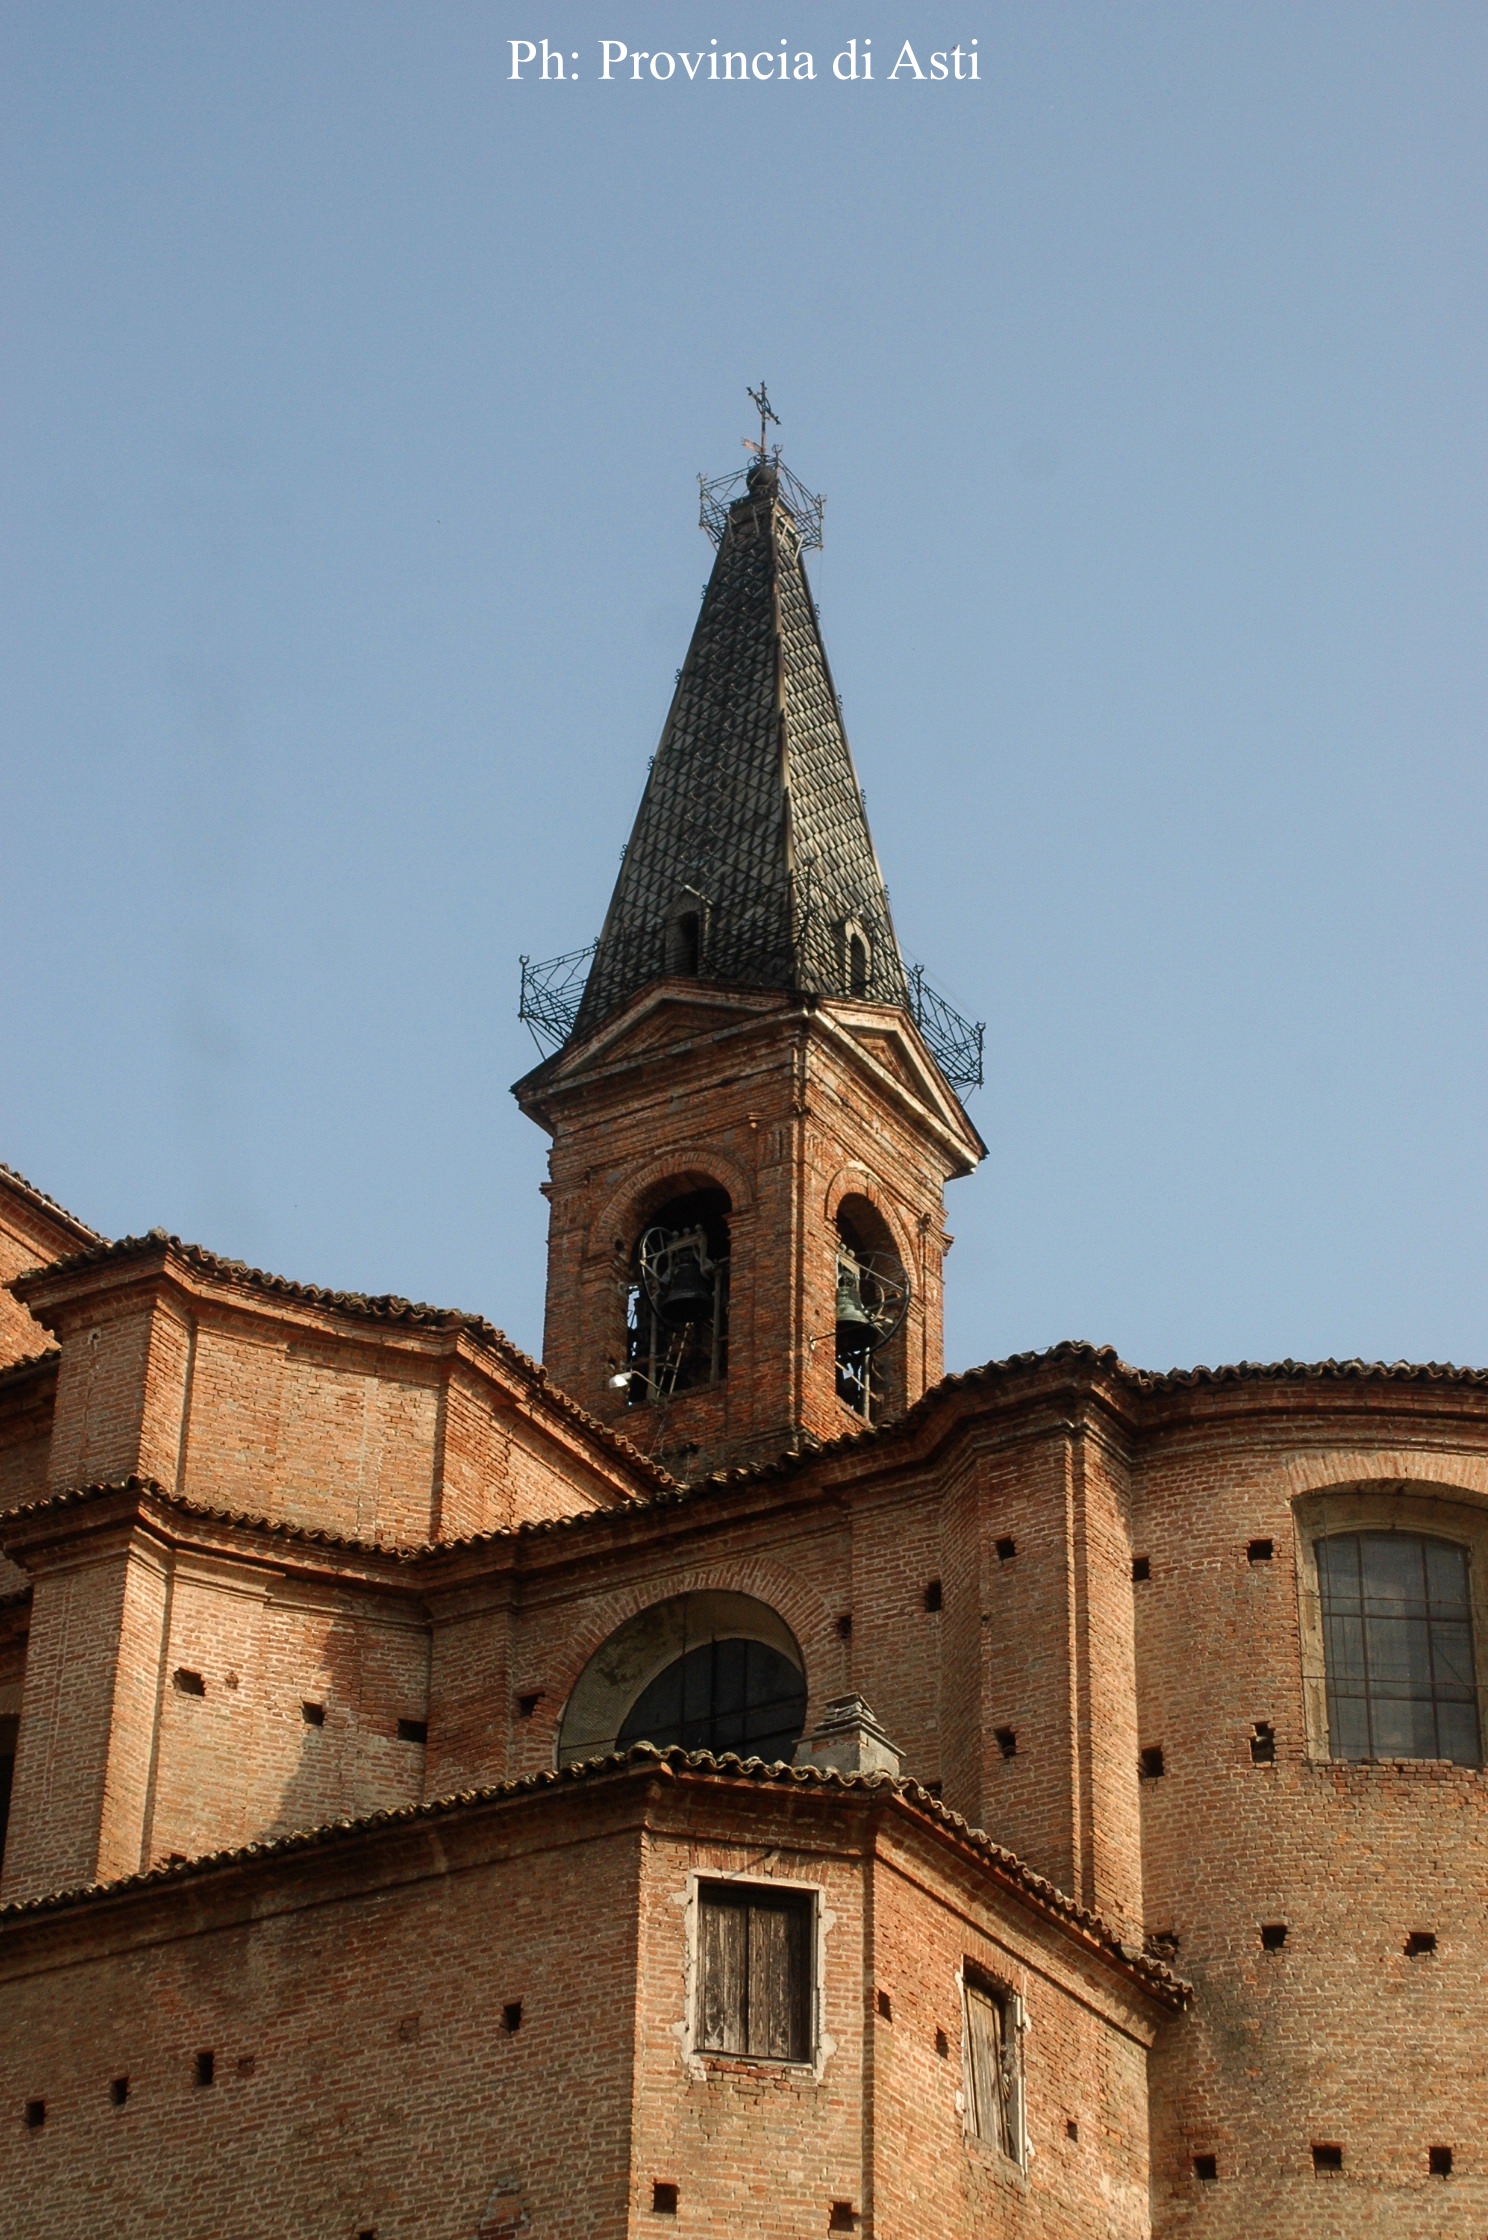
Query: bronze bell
(855, 1332)
(686, 1295)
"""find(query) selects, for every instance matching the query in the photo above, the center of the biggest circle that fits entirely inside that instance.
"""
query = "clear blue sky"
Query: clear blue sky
(354, 400)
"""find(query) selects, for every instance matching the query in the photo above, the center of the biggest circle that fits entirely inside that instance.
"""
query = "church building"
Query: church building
(730, 1778)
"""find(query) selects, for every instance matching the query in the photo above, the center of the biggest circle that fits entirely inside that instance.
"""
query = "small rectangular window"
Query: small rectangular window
(754, 1972)
(994, 2080)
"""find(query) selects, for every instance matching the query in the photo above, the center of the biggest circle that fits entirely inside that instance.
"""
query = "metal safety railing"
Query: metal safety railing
(551, 995)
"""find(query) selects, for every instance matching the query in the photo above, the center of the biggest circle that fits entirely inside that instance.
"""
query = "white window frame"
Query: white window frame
(1452, 1514)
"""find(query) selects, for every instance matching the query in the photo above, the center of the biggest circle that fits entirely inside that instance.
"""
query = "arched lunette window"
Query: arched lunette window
(714, 1670)
(677, 1324)
(1396, 1614)
(735, 1695)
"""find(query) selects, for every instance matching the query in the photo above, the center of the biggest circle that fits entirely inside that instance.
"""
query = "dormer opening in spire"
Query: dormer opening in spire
(746, 1028)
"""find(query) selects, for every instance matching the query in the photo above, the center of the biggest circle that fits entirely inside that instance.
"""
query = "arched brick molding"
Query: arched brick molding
(697, 1164)
(857, 1181)
(809, 1621)
(636, 1652)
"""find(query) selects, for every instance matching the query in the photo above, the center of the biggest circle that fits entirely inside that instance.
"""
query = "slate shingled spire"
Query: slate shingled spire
(750, 860)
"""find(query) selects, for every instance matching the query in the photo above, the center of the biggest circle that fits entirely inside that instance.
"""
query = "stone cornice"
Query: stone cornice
(750, 1014)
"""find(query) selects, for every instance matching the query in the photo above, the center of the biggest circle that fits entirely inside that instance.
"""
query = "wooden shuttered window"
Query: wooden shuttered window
(754, 1972)
(994, 2094)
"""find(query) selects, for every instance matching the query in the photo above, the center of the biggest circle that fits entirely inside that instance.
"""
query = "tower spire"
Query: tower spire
(750, 861)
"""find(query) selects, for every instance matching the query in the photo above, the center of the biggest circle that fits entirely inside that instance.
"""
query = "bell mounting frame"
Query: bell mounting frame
(883, 1290)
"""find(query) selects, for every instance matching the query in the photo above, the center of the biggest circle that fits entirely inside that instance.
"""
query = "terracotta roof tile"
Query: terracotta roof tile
(46, 1203)
(79, 1497)
(48, 1358)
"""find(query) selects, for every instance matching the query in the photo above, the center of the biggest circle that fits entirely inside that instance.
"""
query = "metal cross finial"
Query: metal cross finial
(760, 398)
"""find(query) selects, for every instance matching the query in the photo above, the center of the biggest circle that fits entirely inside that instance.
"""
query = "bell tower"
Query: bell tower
(751, 1120)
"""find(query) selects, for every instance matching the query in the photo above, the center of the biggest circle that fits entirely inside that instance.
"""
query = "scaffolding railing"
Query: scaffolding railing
(551, 995)
(805, 508)
(552, 992)
(956, 1044)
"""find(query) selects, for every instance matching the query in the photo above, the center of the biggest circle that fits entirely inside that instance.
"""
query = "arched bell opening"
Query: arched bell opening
(677, 1316)
(711, 1671)
(871, 1304)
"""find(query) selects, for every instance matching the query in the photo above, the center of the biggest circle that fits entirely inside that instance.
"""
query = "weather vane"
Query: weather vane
(760, 399)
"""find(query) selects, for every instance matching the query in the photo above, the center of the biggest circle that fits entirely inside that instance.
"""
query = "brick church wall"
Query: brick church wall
(1337, 2037)
(362, 2076)
(354, 1998)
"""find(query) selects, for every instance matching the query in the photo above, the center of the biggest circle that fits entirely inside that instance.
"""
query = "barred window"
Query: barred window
(754, 1971)
(994, 2076)
(1397, 1647)
(722, 1695)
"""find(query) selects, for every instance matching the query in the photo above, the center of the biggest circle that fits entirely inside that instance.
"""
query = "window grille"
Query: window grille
(1397, 1647)
(994, 2073)
(754, 1994)
(742, 1696)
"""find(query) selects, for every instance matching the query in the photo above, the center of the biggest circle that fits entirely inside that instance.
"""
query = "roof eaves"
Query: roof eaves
(31, 1364)
(47, 1204)
(643, 1757)
(383, 1307)
(148, 1489)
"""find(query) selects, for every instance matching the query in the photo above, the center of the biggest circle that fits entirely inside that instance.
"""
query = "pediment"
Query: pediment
(664, 1016)
(894, 1047)
(886, 1048)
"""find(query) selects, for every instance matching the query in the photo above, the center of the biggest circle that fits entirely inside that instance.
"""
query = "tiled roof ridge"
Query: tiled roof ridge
(47, 1202)
(1043, 1893)
(1354, 1370)
(385, 1306)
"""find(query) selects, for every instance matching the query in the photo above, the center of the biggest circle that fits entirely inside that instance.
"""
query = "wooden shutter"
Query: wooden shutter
(992, 2067)
(754, 1972)
(723, 1946)
(778, 1980)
